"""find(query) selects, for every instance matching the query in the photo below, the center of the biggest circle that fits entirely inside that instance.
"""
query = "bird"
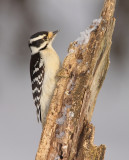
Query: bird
(44, 66)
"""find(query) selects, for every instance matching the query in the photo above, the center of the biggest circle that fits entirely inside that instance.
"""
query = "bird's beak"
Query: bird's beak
(55, 32)
(52, 34)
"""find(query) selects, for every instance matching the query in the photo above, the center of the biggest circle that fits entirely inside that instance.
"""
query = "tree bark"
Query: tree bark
(68, 133)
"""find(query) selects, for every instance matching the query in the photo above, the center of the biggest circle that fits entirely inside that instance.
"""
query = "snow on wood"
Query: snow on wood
(85, 35)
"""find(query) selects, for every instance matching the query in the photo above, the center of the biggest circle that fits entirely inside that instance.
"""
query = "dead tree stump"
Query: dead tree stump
(68, 133)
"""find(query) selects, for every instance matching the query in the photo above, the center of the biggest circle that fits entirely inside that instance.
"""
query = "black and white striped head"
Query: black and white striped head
(41, 40)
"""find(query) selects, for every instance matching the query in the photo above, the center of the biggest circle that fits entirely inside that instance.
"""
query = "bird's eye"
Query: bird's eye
(45, 38)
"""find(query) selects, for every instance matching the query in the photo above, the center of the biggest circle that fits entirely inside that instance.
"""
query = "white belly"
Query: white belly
(52, 65)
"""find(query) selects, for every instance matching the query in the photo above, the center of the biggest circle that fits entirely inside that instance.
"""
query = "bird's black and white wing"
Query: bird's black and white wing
(37, 76)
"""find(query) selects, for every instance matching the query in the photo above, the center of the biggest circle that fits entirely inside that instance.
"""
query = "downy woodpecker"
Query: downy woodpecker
(44, 65)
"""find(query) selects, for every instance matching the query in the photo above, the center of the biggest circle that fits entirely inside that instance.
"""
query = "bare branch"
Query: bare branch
(68, 134)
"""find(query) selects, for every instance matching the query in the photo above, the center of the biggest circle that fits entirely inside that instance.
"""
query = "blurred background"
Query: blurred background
(19, 130)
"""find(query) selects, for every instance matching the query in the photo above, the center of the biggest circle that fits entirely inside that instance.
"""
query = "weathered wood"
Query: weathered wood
(68, 134)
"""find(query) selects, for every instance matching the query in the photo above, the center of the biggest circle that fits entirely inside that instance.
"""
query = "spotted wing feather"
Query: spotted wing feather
(37, 76)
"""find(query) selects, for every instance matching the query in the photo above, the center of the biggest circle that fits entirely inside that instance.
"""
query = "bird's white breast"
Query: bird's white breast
(52, 64)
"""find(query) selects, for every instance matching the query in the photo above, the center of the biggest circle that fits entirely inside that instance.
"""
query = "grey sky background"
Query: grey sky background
(19, 130)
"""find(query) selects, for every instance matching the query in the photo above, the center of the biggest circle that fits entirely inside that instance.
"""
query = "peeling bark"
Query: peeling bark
(68, 134)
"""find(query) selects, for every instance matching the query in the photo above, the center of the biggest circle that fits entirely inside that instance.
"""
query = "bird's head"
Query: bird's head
(41, 41)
